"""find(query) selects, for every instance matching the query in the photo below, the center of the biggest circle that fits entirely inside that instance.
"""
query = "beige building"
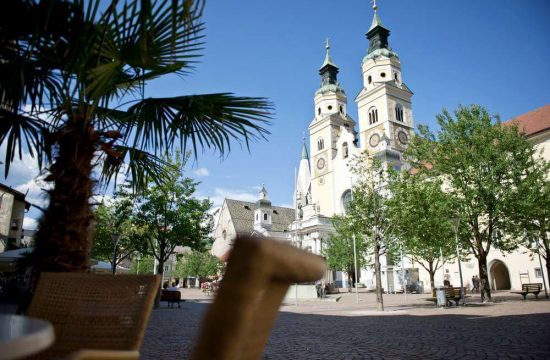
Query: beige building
(12, 213)
(253, 219)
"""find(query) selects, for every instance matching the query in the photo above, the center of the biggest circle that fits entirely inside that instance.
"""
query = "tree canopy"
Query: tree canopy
(73, 78)
(483, 165)
(421, 211)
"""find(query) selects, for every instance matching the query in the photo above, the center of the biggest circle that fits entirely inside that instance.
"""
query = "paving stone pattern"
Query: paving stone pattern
(510, 328)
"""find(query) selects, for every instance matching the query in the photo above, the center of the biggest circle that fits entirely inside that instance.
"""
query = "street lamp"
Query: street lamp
(456, 223)
(115, 237)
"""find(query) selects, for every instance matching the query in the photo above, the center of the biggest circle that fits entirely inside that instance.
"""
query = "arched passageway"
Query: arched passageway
(500, 277)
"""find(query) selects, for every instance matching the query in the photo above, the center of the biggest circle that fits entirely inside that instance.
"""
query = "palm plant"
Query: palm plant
(72, 80)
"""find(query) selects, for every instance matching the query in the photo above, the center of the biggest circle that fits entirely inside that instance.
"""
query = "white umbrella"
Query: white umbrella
(8, 260)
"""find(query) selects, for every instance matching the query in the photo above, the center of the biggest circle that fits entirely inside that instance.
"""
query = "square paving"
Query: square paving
(411, 328)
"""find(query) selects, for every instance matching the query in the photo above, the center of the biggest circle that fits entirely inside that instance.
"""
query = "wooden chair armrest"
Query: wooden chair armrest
(104, 355)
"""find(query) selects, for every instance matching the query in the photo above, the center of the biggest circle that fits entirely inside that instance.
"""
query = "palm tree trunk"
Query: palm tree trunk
(64, 239)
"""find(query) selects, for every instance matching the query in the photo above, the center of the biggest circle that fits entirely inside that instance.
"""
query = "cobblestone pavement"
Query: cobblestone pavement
(413, 328)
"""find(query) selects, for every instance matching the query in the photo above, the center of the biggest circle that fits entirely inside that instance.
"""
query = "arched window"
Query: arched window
(396, 76)
(373, 115)
(346, 199)
(318, 111)
(345, 151)
(320, 144)
(341, 109)
(370, 79)
(399, 112)
(265, 216)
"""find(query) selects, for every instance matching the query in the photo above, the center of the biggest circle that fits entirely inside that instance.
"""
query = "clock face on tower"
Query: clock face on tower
(374, 140)
(320, 163)
(403, 138)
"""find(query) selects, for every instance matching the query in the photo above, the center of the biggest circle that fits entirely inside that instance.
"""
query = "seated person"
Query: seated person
(173, 287)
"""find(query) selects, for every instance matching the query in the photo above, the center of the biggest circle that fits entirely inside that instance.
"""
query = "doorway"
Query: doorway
(500, 277)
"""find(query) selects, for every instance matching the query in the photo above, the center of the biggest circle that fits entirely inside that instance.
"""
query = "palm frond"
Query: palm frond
(17, 130)
(209, 121)
(139, 41)
(142, 166)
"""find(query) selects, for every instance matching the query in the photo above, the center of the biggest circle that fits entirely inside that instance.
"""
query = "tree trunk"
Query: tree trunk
(351, 279)
(431, 271)
(113, 265)
(377, 272)
(160, 271)
(485, 288)
(64, 239)
(547, 270)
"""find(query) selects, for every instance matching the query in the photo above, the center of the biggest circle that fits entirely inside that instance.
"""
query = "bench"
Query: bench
(529, 288)
(451, 294)
(171, 297)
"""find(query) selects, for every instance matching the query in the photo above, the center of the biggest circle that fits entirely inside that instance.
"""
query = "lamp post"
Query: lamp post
(456, 223)
(355, 261)
(115, 237)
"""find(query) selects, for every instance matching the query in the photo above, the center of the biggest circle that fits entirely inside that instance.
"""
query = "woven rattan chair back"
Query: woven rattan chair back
(90, 311)
(258, 275)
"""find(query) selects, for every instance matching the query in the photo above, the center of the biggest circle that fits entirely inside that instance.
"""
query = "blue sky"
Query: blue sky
(495, 53)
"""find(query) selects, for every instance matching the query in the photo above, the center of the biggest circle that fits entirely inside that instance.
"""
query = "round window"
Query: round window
(383, 75)
(330, 107)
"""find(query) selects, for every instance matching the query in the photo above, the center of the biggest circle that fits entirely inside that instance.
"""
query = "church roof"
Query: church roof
(304, 151)
(328, 60)
(325, 88)
(533, 122)
(242, 216)
(380, 52)
(376, 21)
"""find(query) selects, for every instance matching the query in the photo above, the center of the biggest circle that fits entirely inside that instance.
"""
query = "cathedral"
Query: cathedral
(384, 127)
(324, 180)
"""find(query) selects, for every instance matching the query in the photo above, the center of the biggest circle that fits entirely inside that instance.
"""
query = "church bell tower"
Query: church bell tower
(324, 131)
(384, 103)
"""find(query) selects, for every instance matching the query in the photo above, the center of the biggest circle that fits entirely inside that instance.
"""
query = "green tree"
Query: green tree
(171, 216)
(114, 230)
(483, 164)
(73, 79)
(339, 251)
(196, 263)
(533, 212)
(142, 265)
(420, 210)
(368, 215)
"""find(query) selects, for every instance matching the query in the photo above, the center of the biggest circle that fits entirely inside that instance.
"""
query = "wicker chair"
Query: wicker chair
(258, 275)
(94, 316)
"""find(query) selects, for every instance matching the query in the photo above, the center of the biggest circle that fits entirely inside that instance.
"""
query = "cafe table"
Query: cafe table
(22, 336)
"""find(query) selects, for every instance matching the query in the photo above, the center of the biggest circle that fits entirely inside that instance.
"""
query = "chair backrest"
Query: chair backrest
(90, 311)
(259, 272)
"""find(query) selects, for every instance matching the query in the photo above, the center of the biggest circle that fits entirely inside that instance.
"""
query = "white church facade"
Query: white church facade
(324, 180)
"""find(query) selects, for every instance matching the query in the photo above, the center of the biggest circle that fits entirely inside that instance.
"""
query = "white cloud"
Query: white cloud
(237, 194)
(290, 206)
(34, 190)
(29, 223)
(201, 172)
